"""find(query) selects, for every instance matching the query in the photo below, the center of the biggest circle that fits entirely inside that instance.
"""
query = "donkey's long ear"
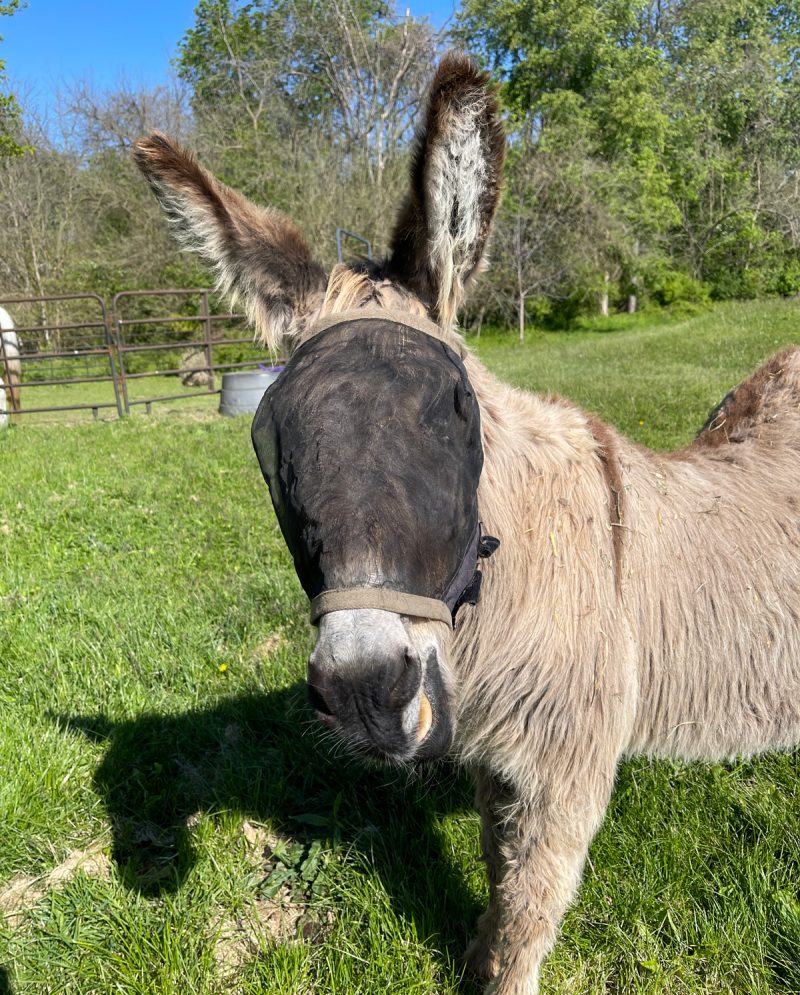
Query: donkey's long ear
(441, 233)
(259, 257)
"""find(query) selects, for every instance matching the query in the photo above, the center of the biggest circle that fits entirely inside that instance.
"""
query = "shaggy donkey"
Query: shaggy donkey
(639, 603)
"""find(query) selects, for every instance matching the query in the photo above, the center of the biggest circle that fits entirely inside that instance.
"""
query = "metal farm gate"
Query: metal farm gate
(79, 355)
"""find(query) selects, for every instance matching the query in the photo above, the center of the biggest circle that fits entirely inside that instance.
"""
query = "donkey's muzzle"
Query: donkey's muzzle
(384, 709)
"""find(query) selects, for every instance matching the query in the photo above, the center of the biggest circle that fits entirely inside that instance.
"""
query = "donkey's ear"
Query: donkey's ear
(441, 233)
(259, 257)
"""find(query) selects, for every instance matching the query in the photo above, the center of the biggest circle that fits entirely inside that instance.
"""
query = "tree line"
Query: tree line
(653, 147)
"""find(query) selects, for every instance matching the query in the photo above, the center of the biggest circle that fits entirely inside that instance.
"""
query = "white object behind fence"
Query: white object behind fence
(10, 364)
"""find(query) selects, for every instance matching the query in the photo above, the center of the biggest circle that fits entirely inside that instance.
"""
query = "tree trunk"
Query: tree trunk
(604, 296)
(479, 323)
(634, 282)
(521, 312)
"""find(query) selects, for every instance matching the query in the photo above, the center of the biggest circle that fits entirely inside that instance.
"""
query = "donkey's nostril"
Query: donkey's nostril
(318, 703)
(408, 681)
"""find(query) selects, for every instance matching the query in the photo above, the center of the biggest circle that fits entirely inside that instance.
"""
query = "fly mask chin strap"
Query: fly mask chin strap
(370, 444)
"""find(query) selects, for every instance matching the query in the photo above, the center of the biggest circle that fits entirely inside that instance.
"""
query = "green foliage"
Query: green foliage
(10, 114)
(685, 114)
(787, 278)
(670, 286)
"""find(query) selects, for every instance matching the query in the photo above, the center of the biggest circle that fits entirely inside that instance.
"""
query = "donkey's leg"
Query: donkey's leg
(545, 838)
(13, 393)
(492, 798)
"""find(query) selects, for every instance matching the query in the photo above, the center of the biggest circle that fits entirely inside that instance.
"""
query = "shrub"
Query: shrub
(669, 287)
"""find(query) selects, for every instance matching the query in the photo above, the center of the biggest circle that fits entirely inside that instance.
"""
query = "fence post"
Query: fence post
(206, 316)
(120, 352)
(110, 345)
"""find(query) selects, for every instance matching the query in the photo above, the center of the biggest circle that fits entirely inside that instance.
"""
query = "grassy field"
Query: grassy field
(35, 396)
(170, 822)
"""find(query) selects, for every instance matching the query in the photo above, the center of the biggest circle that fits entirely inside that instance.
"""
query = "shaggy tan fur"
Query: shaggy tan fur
(562, 670)
(639, 603)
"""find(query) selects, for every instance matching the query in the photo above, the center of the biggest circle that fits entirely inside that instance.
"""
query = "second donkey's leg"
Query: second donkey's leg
(13, 392)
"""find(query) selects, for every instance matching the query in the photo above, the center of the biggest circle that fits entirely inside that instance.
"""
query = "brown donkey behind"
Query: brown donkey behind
(639, 603)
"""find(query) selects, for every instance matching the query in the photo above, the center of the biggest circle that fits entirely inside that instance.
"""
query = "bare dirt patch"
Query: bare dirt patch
(24, 891)
(275, 640)
(278, 919)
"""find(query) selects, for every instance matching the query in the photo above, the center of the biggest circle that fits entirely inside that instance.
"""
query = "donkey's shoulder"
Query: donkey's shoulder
(769, 394)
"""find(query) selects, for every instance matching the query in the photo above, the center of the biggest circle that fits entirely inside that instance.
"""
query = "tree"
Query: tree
(689, 111)
(9, 108)
(349, 71)
(75, 212)
(309, 107)
(555, 246)
(737, 147)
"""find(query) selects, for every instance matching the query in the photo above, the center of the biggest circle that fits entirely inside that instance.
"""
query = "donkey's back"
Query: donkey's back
(713, 571)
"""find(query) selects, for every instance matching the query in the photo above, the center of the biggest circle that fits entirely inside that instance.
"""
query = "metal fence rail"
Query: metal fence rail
(36, 346)
(77, 339)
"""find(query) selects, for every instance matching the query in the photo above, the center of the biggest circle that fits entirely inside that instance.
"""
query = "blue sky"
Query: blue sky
(52, 42)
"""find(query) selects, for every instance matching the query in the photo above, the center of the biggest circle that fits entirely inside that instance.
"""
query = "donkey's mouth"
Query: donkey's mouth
(421, 742)
(425, 717)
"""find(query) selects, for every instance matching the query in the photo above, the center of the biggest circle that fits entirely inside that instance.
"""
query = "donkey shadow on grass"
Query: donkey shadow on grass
(256, 754)
(260, 755)
(5, 984)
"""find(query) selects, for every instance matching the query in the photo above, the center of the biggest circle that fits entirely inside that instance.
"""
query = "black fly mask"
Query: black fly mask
(370, 443)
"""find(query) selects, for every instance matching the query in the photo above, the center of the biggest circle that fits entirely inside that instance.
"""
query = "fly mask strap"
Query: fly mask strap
(464, 589)
(380, 597)
(402, 319)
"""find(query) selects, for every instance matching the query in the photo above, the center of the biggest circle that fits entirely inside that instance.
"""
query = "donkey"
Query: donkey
(639, 603)
(10, 363)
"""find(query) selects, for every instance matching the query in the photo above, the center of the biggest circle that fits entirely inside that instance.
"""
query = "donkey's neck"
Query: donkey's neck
(525, 436)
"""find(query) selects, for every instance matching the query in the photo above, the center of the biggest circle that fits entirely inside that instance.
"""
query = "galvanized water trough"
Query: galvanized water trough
(242, 392)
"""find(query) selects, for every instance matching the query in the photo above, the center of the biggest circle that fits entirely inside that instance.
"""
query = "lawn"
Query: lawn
(171, 821)
(36, 396)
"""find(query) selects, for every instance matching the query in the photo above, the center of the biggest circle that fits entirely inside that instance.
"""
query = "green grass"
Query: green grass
(36, 396)
(152, 647)
(664, 375)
